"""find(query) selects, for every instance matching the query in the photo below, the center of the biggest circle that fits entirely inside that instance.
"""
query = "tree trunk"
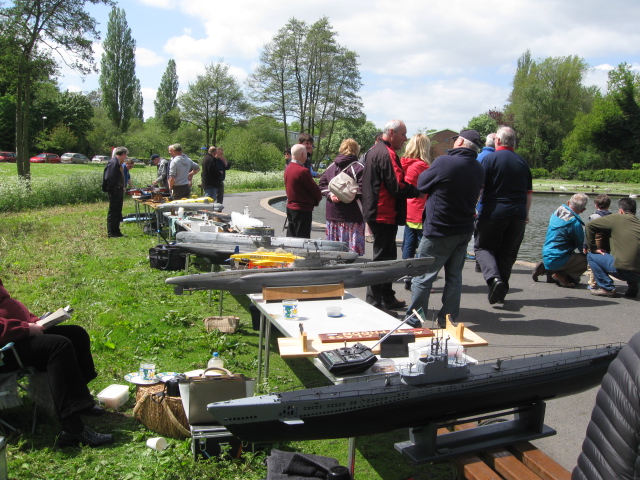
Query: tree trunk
(23, 94)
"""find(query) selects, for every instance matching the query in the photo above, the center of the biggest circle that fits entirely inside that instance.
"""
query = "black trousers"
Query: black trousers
(384, 248)
(299, 223)
(496, 246)
(64, 353)
(220, 197)
(114, 215)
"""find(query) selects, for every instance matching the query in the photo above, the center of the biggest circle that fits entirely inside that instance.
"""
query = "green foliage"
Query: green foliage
(166, 101)
(361, 130)
(7, 123)
(540, 173)
(61, 139)
(148, 138)
(213, 98)
(608, 175)
(246, 151)
(118, 82)
(483, 124)
(635, 166)
(104, 134)
(546, 97)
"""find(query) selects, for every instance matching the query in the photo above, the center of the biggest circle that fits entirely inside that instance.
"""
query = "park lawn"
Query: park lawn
(61, 256)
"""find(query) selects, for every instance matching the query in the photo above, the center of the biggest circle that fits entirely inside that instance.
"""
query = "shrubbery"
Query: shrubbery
(540, 173)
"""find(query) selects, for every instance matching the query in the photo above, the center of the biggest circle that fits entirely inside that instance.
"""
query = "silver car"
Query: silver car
(100, 159)
(73, 158)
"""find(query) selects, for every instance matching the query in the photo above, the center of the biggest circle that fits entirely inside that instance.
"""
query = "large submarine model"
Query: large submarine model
(437, 388)
(239, 282)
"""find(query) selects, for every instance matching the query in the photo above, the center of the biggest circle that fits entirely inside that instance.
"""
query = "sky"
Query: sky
(434, 64)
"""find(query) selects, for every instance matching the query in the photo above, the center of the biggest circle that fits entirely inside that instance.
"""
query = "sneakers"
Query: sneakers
(632, 290)
(601, 292)
(87, 437)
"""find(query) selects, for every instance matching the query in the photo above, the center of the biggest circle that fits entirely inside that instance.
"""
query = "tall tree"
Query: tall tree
(118, 71)
(305, 74)
(167, 96)
(212, 99)
(31, 27)
(138, 102)
(546, 97)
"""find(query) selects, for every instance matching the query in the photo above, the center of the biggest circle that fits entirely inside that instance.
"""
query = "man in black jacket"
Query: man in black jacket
(210, 174)
(113, 185)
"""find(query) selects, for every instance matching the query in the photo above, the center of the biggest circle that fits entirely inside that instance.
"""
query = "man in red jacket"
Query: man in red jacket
(303, 194)
(384, 206)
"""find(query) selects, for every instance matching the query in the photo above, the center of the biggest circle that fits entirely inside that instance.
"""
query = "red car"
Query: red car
(45, 158)
(8, 157)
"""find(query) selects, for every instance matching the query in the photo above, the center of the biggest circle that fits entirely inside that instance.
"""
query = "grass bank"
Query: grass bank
(51, 257)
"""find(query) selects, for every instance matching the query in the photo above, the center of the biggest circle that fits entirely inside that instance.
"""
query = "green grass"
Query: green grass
(56, 256)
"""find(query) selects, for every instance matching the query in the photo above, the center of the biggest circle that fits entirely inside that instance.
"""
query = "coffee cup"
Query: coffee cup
(147, 371)
(290, 309)
(157, 443)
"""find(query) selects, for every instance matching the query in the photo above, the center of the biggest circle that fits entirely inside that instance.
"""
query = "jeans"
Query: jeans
(410, 241)
(448, 252)
(602, 266)
(212, 193)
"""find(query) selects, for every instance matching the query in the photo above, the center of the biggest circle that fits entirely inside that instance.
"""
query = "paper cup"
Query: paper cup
(147, 371)
(157, 443)
(290, 309)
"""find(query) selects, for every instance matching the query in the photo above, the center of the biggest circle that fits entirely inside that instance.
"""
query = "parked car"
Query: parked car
(7, 157)
(100, 159)
(137, 161)
(73, 158)
(45, 158)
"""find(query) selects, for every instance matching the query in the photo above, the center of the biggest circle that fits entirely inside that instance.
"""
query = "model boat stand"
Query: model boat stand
(425, 445)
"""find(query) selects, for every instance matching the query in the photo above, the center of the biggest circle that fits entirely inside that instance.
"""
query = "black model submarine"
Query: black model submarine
(439, 387)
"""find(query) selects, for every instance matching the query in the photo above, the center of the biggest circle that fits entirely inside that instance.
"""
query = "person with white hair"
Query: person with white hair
(490, 146)
(303, 194)
(565, 235)
(384, 206)
(503, 213)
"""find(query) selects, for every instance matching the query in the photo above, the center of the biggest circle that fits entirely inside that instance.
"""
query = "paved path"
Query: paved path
(535, 317)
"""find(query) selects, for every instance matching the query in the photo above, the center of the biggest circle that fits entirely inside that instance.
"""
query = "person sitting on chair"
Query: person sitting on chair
(64, 353)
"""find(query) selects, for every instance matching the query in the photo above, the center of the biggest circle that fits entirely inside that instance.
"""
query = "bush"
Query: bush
(609, 175)
(540, 173)
(246, 151)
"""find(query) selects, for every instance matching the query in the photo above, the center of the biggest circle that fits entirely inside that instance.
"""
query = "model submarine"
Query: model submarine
(240, 282)
(437, 388)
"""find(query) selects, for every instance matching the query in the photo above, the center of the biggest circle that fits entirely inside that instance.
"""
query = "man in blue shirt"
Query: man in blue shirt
(490, 143)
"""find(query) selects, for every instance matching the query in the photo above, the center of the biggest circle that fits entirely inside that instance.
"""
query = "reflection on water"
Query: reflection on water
(542, 207)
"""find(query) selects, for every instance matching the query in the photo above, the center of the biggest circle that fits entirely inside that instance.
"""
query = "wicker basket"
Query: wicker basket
(224, 324)
(162, 414)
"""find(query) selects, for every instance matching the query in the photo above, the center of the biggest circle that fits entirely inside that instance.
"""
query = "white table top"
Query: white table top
(357, 316)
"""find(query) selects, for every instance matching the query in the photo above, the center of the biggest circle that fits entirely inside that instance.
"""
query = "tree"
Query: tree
(305, 74)
(167, 96)
(546, 97)
(60, 139)
(31, 27)
(213, 98)
(138, 102)
(484, 124)
(118, 80)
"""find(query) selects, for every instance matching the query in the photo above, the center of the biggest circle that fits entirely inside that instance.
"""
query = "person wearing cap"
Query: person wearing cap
(384, 206)
(163, 170)
(453, 183)
(503, 213)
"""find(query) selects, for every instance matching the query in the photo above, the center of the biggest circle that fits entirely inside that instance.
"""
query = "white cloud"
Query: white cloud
(147, 58)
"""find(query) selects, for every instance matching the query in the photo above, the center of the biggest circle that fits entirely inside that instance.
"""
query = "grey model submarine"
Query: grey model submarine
(252, 280)
(438, 388)
(222, 238)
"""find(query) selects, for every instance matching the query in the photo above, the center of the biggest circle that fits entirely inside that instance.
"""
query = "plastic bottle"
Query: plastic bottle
(215, 361)
(247, 212)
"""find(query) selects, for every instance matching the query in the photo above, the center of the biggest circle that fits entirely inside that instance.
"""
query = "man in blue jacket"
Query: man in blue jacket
(452, 183)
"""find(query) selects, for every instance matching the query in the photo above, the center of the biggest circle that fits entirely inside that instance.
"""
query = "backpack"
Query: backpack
(344, 186)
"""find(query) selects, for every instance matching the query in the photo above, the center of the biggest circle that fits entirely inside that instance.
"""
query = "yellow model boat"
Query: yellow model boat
(193, 200)
(265, 258)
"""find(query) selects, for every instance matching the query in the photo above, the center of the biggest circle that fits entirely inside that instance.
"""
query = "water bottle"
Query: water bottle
(215, 361)
(246, 211)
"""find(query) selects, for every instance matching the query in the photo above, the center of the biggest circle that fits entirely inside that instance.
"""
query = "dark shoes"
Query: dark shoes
(87, 437)
(497, 291)
(407, 284)
(414, 323)
(601, 292)
(632, 290)
(539, 270)
(478, 269)
(117, 235)
(395, 303)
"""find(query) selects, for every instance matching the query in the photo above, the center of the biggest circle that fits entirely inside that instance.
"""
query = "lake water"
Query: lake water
(542, 207)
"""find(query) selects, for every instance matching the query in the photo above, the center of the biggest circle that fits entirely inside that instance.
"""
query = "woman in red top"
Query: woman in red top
(64, 353)
(415, 161)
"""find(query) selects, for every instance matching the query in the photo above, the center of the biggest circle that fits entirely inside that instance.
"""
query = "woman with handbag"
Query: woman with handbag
(344, 220)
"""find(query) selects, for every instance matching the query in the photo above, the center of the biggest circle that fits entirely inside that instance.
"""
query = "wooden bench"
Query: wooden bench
(522, 461)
